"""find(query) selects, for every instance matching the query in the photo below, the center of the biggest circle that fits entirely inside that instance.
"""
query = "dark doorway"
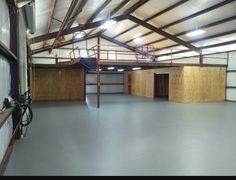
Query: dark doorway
(129, 84)
(161, 85)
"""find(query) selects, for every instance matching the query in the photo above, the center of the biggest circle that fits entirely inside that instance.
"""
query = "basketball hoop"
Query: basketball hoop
(145, 53)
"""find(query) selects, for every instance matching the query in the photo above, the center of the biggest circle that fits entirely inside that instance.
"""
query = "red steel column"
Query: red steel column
(98, 74)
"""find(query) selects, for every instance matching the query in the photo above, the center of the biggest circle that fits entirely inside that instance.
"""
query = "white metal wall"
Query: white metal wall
(231, 77)
(5, 79)
(6, 130)
(110, 83)
(22, 53)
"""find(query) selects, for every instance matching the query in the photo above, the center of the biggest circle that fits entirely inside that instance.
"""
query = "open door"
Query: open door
(161, 85)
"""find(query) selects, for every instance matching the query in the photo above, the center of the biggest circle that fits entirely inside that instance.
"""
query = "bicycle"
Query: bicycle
(23, 103)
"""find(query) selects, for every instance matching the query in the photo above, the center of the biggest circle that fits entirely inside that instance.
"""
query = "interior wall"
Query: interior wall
(205, 84)
(188, 84)
(110, 83)
(50, 84)
(5, 79)
(142, 82)
(231, 77)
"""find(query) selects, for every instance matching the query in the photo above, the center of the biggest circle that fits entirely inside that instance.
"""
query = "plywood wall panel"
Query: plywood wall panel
(204, 84)
(187, 84)
(143, 82)
(58, 84)
(176, 86)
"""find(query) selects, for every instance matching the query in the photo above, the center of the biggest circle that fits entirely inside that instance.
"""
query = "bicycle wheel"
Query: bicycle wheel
(29, 116)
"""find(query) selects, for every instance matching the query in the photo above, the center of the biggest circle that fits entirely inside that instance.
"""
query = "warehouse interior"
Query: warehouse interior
(117, 88)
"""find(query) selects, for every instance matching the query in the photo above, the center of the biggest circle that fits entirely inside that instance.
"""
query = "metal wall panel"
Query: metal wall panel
(4, 24)
(6, 130)
(110, 83)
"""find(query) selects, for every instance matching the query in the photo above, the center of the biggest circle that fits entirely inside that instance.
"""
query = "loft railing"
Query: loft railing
(110, 53)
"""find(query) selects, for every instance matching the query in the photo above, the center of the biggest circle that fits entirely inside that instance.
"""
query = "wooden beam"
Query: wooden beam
(165, 34)
(75, 29)
(65, 22)
(153, 17)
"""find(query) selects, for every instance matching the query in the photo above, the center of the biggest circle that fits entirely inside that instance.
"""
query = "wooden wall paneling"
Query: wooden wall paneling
(188, 84)
(58, 84)
(205, 84)
(176, 88)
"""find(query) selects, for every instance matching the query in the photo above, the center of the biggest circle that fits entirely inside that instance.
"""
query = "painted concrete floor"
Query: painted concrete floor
(128, 136)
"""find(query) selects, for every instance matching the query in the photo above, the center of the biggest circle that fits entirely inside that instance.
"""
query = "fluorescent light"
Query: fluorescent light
(137, 36)
(135, 69)
(79, 35)
(195, 33)
(120, 70)
(108, 24)
(138, 40)
(111, 68)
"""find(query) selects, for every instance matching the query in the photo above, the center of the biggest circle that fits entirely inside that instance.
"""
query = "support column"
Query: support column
(13, 47)
(201, 60)
(98, 74)
(14, 64)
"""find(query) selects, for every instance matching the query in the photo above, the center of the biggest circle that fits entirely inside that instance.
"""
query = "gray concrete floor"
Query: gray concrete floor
(128, 136)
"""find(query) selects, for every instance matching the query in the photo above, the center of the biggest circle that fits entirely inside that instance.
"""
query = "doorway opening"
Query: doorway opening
(161, 85)
(129, 84)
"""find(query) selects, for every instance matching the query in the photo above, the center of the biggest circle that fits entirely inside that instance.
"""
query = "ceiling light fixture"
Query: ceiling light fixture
(135, 69)
(108, 24)
(110, 68)
(120, 70)
(195, 33)
(137, 36)
(79, 35)
(138, 40)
